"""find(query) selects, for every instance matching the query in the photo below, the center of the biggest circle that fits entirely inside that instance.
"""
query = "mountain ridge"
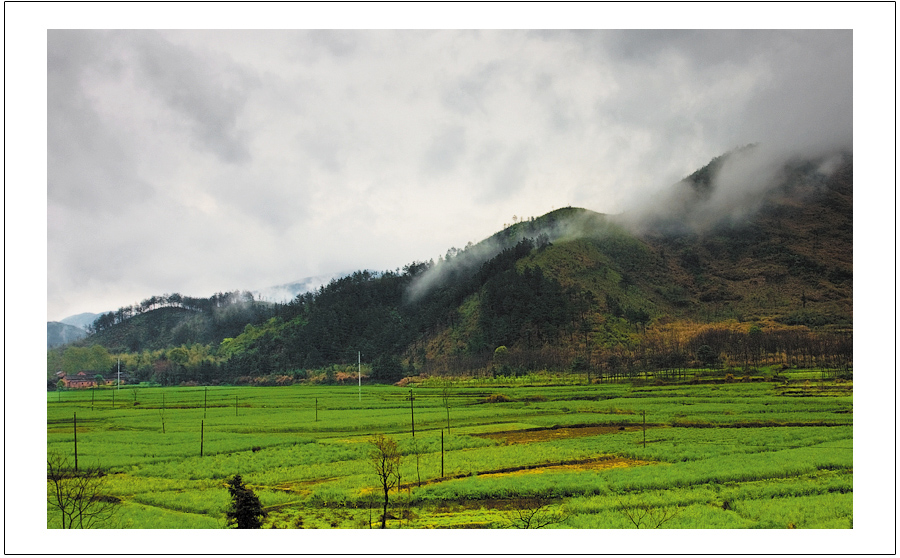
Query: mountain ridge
(572, 282)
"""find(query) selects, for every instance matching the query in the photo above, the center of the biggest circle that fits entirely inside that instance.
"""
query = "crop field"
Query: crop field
(498, 453)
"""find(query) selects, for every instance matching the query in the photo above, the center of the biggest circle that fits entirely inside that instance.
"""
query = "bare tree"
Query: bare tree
(77, 495)
(385, 460)
(646, 516)
(534, 513)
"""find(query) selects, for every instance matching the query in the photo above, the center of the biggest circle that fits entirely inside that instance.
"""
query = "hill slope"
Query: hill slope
(572, 288)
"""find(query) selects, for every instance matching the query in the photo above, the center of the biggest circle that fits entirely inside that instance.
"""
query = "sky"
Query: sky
(205, 161)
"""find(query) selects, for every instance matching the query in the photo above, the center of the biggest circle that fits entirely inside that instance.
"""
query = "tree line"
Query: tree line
(175, 300)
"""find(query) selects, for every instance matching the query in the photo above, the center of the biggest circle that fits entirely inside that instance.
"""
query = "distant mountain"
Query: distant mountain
(59, 333)
(758, 260)
(80, 320)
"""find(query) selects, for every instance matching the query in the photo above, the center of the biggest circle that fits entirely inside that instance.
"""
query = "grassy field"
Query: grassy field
(497, 454)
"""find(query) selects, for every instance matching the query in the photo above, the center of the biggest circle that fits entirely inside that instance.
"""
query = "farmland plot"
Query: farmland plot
(733, 455)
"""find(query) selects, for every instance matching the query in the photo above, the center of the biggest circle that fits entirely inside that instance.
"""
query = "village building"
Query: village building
(85, 379)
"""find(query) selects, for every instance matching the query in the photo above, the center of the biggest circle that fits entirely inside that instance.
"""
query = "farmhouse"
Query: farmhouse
(84, 379)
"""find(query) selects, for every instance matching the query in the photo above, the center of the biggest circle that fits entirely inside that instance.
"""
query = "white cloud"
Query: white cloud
(231, 159)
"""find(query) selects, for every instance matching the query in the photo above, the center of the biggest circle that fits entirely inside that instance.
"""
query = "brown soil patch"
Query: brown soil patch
(597, 464)
(545, 434)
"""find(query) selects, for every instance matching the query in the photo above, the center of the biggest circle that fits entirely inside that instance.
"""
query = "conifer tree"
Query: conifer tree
(246, 512)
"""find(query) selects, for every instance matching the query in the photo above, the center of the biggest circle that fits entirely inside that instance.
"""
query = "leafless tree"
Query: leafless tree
(646, 516)
(534, 513)
(78, 495)
(385, 460)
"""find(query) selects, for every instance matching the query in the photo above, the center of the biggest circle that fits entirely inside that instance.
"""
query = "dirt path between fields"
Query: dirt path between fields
(593, 463)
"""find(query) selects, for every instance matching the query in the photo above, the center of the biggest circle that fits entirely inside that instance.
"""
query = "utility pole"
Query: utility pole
(412, 414)
(201, 438)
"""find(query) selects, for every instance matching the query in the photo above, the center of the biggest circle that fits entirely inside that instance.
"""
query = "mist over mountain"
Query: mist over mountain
(288, 291)
(82, 320)
(59, 333)
(731, 189)
(719, 255)
(70, 329)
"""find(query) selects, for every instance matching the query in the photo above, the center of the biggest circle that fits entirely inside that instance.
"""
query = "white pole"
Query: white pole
(359, 359)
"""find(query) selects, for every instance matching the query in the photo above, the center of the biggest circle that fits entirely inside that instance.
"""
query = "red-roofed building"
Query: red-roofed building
(84, 379)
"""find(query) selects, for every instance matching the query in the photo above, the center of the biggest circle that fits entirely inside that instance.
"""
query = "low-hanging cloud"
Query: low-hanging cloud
(736, 187)
(230, 160)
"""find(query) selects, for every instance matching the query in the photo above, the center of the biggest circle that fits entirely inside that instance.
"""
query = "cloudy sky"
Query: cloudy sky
(204, 161)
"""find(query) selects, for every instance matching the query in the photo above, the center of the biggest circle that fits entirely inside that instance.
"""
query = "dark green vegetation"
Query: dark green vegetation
(246, 511)
(571, 291)
(490, 453)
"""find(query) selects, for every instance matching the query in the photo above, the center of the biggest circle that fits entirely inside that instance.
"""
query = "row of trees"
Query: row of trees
(74, 359)
(662, 352)
(175, 300)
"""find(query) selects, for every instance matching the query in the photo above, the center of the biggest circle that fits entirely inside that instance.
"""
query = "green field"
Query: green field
(743, 454)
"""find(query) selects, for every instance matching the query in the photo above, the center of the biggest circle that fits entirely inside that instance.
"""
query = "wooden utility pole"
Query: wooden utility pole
(75, 431)
(412, 414)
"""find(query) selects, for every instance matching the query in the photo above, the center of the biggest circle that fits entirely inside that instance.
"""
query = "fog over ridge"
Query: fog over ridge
(203, 161)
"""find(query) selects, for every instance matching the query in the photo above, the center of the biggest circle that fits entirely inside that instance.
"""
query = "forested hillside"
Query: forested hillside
(572, 290)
